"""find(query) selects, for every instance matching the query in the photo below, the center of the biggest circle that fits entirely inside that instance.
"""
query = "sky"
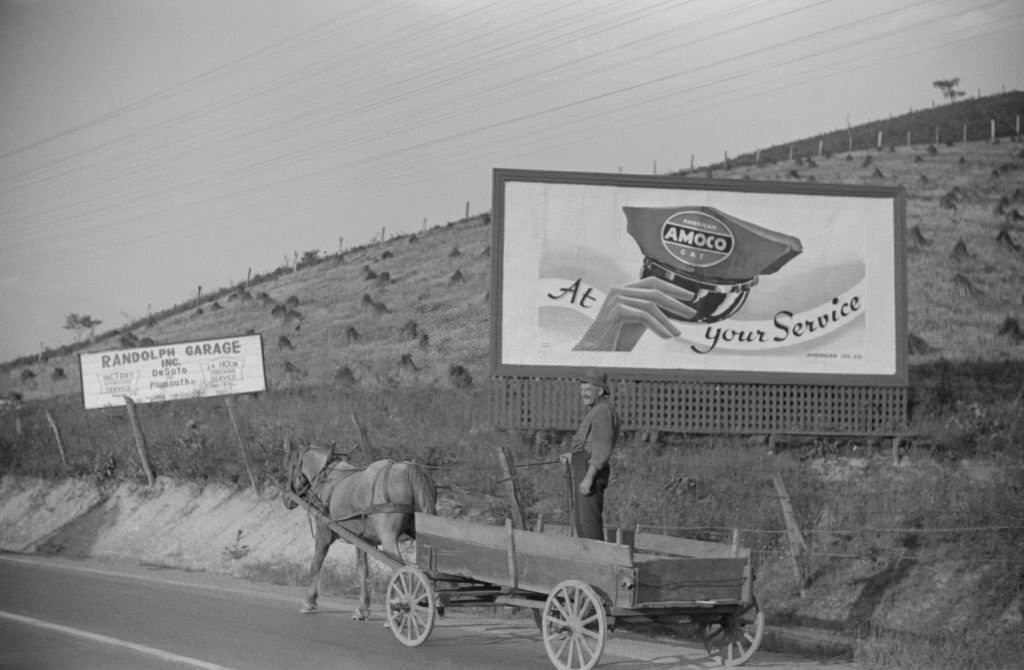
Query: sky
(150, 147)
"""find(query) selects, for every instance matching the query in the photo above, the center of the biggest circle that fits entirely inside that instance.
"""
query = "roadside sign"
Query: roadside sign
(200, 369)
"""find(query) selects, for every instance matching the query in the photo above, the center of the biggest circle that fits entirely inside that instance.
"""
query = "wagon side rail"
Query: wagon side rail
(521, 560)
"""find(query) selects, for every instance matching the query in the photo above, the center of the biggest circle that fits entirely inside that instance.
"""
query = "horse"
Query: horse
(377, 503)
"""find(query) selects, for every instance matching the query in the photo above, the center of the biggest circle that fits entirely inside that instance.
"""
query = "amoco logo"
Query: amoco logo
(697, 238)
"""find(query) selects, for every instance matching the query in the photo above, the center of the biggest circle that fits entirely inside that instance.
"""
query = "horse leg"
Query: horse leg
(322, 542)
(362, 612)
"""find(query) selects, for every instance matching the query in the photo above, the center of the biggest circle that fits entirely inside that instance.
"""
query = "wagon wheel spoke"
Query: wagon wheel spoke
(561, 609)
(579, 652)
(575, 626)
(735, 637)
(561, 648)
(409, 602)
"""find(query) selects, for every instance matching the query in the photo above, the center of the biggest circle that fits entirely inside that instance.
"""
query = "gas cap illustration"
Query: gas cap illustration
(716, 256)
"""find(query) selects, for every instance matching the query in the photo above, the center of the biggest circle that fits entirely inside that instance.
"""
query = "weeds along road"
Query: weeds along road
(56, 613)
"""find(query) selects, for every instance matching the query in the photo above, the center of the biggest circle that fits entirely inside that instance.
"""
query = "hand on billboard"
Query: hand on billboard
(631, 310)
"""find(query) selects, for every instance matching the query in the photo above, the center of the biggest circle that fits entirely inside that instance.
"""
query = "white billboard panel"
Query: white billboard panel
(722, 280)
(199, 369)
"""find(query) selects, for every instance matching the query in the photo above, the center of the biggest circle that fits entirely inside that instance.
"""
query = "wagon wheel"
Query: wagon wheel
(733, 638)
(574, 626)
(410, 606)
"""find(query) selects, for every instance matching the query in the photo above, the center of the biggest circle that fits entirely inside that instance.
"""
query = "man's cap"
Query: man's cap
(595, 378)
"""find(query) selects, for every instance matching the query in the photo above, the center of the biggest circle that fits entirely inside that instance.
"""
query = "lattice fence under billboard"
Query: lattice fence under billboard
(690, 407)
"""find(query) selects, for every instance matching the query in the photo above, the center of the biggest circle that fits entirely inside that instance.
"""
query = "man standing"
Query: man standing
(591, 449)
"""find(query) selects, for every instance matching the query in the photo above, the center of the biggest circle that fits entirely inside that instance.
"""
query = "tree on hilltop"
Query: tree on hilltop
(949, 88)
(80, 323)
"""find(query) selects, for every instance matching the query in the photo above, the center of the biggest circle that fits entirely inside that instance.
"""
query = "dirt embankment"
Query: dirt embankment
(212, 528)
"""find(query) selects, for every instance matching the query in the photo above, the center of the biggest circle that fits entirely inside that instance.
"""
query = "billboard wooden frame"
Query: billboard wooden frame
(898, 375)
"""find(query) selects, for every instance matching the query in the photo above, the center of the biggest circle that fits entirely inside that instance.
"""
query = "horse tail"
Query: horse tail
(424, 490)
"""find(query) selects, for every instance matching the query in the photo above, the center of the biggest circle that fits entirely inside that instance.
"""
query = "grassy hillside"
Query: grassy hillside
(398, 332)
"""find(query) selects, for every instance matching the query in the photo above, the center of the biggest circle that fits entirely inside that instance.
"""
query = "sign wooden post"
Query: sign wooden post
(140, 440)
(229, 402)
(57, 437)
(797, 546)
(508, 474)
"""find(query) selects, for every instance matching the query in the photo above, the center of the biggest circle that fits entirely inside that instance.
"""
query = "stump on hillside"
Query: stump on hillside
(916, 238)
(423, 342)
(459, 377)
(454, 252)
(383, 279)
(960, 252)
(917, 345)
(406, 363)
(57, 374)
(284, 343)
(292, 369)
(368, 273)
(292, 301)
(409, 331)
(345, 376)
(351, 335)
(457, 278)
(386, 255)
(1011, 329)
(1005, 240)
(964, 287)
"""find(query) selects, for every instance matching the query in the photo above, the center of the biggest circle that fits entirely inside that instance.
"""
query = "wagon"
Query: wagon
(579, 589)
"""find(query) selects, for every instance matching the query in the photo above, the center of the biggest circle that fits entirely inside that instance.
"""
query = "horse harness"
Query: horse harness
(325, 472)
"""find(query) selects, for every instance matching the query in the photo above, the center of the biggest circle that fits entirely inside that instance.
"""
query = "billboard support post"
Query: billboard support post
(140, 440)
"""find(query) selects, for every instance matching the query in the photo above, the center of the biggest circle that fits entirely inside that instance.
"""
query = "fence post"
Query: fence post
(797, 546)
(574, 531)
(229, 402)
(140, 440)
(508, 474)
(57, 437)
(364, 439)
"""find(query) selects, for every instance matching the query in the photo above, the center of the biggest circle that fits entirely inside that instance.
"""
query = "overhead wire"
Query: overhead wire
(193, 203)
(198, 230)
(573, 104)
(286, 123)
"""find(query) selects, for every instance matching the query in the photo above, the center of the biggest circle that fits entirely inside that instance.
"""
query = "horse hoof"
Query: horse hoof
(307, 608)
(360, 616)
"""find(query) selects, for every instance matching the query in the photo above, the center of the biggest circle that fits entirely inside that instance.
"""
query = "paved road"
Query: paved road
(57, 613)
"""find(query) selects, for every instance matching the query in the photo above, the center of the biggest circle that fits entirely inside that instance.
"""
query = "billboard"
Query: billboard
(199, 369)
(697, 279)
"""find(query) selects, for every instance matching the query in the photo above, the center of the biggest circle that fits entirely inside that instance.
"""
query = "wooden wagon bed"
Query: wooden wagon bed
(643, 577)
